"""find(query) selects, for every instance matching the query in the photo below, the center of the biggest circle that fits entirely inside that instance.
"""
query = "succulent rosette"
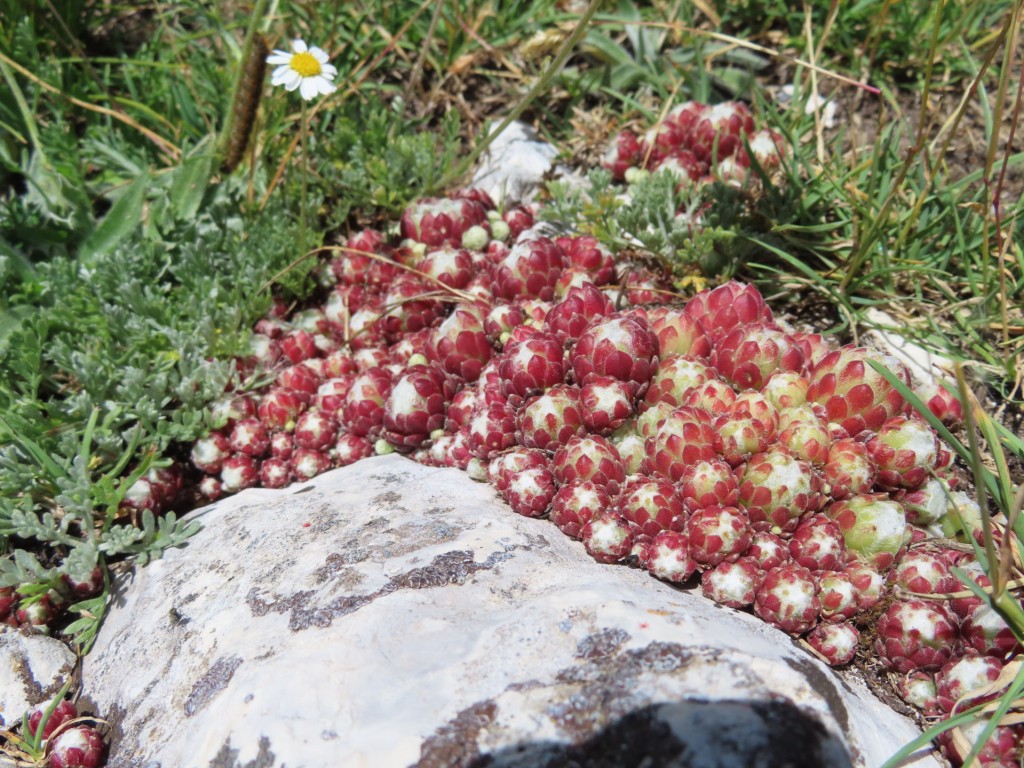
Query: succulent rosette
(531, 366)
(607, 404)
(721, 309)
(438, 222)
(874, 527)
(917, 688)
(592, 458)
(717, 535)
(363, 409)
(685, 437)
(529, 270)
(960, 678)
(986, 632)
(854, 394)
(62, 713)
(745, 428)
(652, 504)
(714, 396)
(749, 354)
(709, 483)
(905, 451)
(588, 255)
(787, 598)
(550, 419)
(608, 537)
(838, 596)
(835, 642)
(625, 153)
(1000, 750)
(777, 490)
(491, 429)
(449, 266)
(315, 429)
(571, 316)
(460, 344)
(574, 504)
(786, 389)
(531, 490)
(731, 583)
(667, 556)
(916, 634)
(719, 131)
(502, 465)
(848, 469)
(817, 544)
(768, 550)
(81, 746)
(623, 347)
(805, 434)
(678, 333)
(924, 572)
(416, 405)
(675, 376)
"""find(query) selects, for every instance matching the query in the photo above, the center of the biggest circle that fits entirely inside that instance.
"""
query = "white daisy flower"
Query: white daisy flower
(305, 69)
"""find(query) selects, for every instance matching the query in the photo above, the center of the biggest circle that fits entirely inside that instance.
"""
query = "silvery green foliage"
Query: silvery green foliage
(149, 541)
(107, 363)
(652, 215)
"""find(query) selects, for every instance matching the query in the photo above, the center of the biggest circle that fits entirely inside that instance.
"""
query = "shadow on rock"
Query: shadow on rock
(689, 734)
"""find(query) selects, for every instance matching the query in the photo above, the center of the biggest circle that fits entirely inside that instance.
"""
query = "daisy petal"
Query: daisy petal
(294, 81)
(326, 87)
(329, 71)
(319, 54)
(280, 74)
(308, 88)
(279, 57)
(299, 45)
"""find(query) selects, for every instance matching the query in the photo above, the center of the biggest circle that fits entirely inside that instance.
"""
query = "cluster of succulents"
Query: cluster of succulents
(58, 736)
(703, 441)
(698, 143)
(40, 607)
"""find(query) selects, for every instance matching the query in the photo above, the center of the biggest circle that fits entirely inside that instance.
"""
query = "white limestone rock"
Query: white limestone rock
(926, 367)
(514, 165)
(33, 668)
(391, 614)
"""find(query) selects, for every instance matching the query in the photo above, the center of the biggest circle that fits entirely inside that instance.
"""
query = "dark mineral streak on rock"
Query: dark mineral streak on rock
(609, 725)
(228, 757)
(453, 567)
(213, 682)
(36, 692)
(825, 686)
(608, 680)
(390, 479)
(449, 568)
(337, 561)
(454, 744)
(602, 643)
(114, 715)
(387, 499)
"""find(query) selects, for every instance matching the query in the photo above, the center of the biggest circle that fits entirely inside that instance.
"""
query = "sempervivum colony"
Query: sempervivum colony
(706, 442)
(697, 143)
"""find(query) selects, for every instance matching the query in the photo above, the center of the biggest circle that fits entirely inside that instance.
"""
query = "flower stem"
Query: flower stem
(302, 197)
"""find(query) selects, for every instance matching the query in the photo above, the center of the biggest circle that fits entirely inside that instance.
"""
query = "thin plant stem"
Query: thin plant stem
(166, 145)
(538, 88)
(303, 138)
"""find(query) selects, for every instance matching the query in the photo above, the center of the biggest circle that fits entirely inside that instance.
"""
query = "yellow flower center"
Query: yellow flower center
(306, 65)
